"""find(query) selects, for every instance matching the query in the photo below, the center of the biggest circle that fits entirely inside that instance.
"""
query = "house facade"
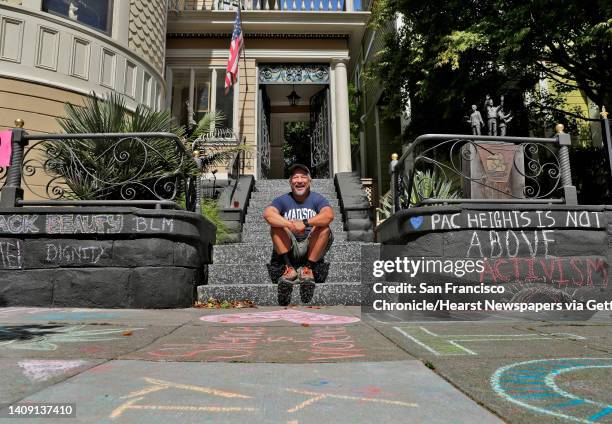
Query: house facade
(172, 54)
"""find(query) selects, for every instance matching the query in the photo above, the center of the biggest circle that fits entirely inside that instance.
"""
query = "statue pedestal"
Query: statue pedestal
(495, 169)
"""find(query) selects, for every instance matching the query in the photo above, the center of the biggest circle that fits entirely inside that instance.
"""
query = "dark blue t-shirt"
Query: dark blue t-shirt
(292, 210)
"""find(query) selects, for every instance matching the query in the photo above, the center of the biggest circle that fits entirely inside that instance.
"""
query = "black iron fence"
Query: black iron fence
(223, 148)
(448, 168)
(104, 169)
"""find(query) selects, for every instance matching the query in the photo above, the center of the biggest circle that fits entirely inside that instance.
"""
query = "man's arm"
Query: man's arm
(323, 218)
(275, 219)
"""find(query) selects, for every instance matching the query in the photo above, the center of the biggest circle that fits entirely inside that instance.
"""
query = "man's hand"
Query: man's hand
(298, 227)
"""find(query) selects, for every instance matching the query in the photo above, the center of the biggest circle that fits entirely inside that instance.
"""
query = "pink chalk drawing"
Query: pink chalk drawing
(41, 370)
(290, 315)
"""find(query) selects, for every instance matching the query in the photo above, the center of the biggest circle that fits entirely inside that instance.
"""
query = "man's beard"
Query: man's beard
(300, 191)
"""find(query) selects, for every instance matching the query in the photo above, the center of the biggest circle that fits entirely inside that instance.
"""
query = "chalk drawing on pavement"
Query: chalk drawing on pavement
(532, 385)
(157, 385)
(71, 316)
(47, 339)
(449, 345)
(290, 315)
(38, 370)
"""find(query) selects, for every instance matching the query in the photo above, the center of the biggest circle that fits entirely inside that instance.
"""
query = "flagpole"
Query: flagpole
(246, 83)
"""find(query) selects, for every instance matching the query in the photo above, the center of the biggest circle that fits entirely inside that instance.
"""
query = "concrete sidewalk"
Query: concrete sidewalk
(301, 365)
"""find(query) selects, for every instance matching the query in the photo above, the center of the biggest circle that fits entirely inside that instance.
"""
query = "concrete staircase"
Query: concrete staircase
(239, 270)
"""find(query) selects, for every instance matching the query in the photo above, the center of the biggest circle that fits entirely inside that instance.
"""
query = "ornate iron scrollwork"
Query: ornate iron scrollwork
(294, 74)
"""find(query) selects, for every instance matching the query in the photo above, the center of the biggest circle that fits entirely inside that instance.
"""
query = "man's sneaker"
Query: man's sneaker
(285, 285)
(306, 276)
(289, 274)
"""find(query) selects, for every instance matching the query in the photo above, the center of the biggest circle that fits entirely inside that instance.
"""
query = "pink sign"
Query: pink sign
(5, 147)
(290, 315)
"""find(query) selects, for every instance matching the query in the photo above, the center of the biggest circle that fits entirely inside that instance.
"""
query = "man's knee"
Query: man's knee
(321, 231)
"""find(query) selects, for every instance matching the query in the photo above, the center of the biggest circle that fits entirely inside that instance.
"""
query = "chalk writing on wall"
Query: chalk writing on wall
(290, 315)
(38, 370)
(515, 220)
(534, 385)
(560, 271)
(509, 243)
(83, 224)
(11, 254)
(60, 253)
(454, 344)
(243, 343)
(19, 224)
(143, 225)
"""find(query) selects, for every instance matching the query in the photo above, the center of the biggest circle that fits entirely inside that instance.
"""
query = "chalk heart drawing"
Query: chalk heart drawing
(416, 222)
(532, 385)
(42, 370)
(298, 317)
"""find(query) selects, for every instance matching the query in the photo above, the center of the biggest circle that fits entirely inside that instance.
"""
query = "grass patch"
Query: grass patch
(210, 211)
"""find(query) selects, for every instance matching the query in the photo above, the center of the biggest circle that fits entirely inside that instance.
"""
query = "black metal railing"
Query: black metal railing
(540, 167)
(224, 148)
(271, 5)
(103, 169)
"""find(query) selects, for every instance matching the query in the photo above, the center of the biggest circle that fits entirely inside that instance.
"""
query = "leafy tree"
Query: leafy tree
(449, 54)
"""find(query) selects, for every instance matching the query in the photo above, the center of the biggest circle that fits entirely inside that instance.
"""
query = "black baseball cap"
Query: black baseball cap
(299, 166)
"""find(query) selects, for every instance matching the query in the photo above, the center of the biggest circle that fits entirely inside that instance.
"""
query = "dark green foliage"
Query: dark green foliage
(296, 148)
(450, 54)
(100, 169)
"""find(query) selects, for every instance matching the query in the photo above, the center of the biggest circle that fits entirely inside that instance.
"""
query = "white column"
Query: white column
(343, 144)
(121, 21)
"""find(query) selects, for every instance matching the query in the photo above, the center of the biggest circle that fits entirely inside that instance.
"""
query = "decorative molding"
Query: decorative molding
(322, 55)
(258, 36)
(107, 74)
(80, 70)
(293, 74)
(129, 84)
(4, 23)
(47, 48)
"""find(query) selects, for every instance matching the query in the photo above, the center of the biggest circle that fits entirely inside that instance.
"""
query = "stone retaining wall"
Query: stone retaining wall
(565, 246)
(102, 257)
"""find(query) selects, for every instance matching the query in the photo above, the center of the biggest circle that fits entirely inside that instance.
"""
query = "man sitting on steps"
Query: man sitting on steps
(300, 230)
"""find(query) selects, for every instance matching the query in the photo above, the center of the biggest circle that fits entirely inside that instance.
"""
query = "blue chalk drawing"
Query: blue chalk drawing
(71, 316)
(416, 222)
(515, 383)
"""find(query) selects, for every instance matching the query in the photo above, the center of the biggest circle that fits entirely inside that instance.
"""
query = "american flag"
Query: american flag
(234, 55)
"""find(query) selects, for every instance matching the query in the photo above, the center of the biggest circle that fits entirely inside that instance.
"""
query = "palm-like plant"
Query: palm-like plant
(426, 184)
(124, 168)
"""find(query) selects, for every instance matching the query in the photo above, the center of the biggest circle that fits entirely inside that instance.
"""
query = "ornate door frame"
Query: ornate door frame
(296, 74)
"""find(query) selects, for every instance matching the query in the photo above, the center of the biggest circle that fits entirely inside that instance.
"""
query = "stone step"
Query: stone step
(324, 192)
(257, 238)
(257, 273)
(243, 253)
(257, 218)
(263, 227)
(258, 206)
(348, 293)
(284, 182)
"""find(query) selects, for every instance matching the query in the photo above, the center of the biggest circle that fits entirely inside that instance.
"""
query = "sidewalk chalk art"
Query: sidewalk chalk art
(307, 400)
(41, 370)
(453, 344)
(532, 385)
(294, 316)
(47, 339)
